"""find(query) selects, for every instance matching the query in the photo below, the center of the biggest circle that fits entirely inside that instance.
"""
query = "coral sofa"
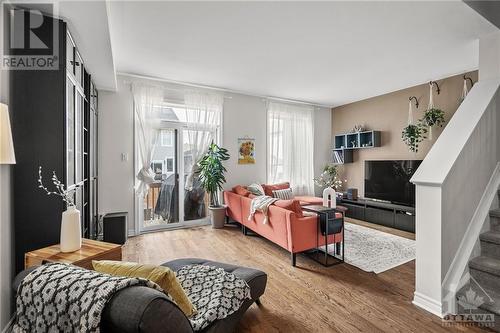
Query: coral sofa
(289, 229)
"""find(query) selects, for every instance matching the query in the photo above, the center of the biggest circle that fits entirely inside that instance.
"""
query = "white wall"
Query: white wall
(6, 243)
(116, 136)
(489, 56)
(244, 115)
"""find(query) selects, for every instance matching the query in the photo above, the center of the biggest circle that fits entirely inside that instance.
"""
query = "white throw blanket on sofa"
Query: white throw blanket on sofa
(261, 204)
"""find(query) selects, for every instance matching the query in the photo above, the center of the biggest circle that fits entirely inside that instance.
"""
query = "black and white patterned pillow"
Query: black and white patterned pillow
(285, 194)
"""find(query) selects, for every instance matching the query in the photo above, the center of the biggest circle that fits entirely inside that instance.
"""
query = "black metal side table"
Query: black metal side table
(328, 224)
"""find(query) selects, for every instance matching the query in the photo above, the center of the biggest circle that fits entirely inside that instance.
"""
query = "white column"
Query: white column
(489, 56)
(428, 292)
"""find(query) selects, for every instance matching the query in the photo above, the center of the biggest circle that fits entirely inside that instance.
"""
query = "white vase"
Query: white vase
(329, 197)
(71, 230)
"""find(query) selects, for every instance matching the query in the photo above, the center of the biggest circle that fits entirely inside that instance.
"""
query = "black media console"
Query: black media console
(386, 214)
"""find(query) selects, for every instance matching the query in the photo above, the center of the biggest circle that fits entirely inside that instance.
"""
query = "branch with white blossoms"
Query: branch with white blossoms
(65, 194)
(329, 178)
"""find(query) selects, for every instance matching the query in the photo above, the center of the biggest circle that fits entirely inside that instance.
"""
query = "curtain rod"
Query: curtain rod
(264, 97)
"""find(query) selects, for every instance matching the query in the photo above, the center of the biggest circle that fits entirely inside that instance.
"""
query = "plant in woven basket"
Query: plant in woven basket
(412, 135)
(433, 117)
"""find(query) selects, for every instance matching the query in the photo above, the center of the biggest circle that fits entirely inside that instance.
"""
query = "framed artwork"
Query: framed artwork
(246, 151)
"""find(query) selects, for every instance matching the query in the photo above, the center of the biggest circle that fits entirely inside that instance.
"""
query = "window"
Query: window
(290, 146)
(170, 164)
(166, 138)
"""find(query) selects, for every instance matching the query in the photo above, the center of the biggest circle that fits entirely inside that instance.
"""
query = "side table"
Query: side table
(328, 224)
(91, 250)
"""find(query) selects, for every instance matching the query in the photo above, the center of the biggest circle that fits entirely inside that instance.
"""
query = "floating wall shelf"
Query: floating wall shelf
(345, 144)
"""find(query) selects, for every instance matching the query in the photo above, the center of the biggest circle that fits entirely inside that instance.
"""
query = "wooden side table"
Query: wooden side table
(91, 250)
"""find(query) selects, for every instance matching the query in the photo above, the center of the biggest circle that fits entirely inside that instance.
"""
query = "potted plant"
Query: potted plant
(412, 135)
(433, 117)
(211, 172)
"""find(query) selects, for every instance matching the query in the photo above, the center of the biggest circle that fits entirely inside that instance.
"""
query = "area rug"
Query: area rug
(375, 251)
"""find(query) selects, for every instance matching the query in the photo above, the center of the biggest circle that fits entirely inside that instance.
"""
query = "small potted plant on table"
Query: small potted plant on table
(211, 172)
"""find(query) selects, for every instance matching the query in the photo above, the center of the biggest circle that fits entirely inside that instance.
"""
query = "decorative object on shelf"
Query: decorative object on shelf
(352, 193)
(71, 227)
(7, 155)
(412, 134)
(211, 172)
(246, 150)
(357, 129)
(433, 116)
(465, 89)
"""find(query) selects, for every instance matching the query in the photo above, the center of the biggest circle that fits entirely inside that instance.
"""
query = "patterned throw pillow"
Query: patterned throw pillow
(285, 194)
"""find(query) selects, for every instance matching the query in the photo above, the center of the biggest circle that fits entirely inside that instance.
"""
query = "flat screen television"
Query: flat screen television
(390, 181)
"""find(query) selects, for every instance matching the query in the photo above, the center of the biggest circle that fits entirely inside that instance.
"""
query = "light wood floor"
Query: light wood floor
(306, 298)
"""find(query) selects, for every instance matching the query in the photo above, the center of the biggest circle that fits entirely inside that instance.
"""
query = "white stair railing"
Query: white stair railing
(451, 187)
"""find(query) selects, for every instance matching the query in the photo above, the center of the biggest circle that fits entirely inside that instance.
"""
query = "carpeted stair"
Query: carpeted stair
(485, 273)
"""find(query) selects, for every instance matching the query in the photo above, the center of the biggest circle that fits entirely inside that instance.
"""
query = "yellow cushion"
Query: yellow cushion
(162, 276)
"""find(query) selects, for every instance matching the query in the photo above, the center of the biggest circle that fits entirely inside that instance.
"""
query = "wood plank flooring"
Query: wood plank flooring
(306, 298)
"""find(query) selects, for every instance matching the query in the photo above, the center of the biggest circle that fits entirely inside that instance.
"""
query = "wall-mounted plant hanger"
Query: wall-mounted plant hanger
(438, 90)
(465, 90)
(416, 101)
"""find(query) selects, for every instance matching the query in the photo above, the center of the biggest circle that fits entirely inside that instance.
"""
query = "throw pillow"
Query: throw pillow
(293, 205)
(268, 189)
(241, 191)
(255, 189)
(285, 194)
(161, 275)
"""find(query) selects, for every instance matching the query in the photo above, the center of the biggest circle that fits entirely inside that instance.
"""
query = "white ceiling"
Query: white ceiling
(323, 52)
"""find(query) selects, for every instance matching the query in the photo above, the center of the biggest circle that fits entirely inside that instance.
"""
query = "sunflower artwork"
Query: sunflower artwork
(246, 151)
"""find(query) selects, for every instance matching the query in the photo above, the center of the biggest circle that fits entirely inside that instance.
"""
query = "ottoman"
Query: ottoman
(141, 309)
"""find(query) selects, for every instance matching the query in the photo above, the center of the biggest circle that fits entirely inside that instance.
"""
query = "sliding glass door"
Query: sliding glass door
(175, 198)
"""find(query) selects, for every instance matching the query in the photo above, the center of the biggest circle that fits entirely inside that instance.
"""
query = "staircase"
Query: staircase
(485, 275)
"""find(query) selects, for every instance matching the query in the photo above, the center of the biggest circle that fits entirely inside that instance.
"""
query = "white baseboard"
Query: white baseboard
(8, 327)
(428, 304)
(131, 233)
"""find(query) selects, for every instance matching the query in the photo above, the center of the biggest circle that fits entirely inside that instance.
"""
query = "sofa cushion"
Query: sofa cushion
(238, 189)
(162, 276)
(268, 189)
(293, 205)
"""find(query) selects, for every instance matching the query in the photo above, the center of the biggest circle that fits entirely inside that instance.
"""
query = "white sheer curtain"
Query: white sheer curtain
(203, 118)
(145, 98)
(290, 146)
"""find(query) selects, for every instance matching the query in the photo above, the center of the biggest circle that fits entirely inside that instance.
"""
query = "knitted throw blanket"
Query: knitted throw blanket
(216, 293)
(261, 204)
(65, 298)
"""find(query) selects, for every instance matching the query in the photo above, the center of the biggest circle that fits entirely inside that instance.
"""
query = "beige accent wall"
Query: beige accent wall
(389, 114)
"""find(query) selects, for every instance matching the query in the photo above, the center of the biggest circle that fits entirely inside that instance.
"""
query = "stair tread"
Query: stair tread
(491, 237)
(495, 212)
(486, 264)
(491, 299)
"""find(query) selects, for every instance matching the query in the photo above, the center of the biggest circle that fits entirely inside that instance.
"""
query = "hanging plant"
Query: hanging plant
(433, 117)
(412, 135)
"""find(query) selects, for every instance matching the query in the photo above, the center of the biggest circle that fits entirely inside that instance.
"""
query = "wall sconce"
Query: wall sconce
(7, 155)
(437, 86)
(416, 100)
